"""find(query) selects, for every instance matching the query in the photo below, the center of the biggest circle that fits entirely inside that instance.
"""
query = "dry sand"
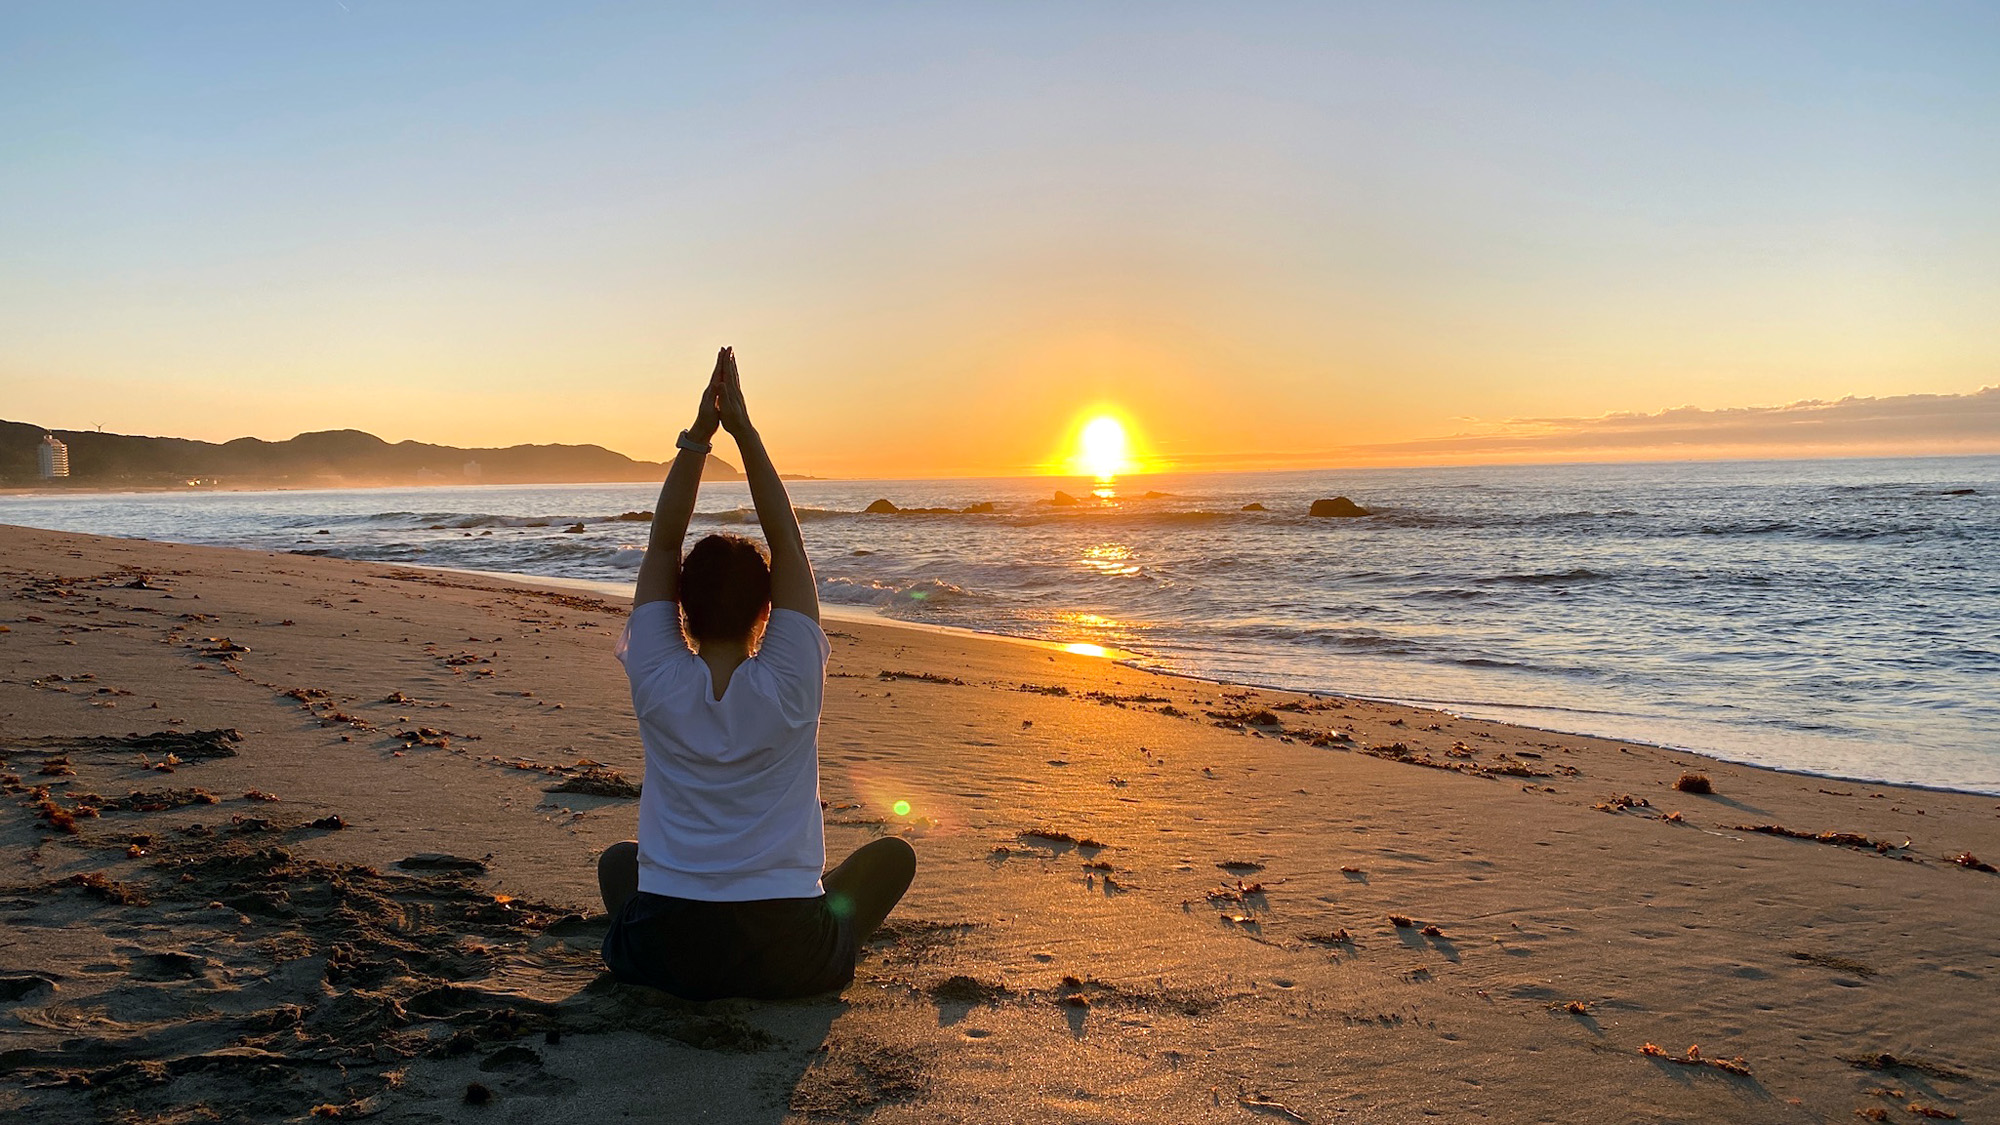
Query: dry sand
(1138, 900)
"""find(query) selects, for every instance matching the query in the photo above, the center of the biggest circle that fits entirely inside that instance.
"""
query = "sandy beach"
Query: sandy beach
(290, 837)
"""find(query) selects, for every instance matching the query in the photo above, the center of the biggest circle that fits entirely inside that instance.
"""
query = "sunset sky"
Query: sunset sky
(940, 237)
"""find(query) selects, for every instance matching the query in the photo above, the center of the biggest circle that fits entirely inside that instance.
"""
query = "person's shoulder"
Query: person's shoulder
(793, 619)
(789, 625)
(793, 654)
(652, 648)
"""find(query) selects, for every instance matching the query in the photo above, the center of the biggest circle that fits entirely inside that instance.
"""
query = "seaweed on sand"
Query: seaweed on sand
(1694, 1057)
(597, 781)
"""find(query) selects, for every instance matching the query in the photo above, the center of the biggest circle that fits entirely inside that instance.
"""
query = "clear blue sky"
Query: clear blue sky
(937, 232)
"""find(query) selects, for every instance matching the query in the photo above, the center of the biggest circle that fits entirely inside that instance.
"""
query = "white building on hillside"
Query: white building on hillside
(53, 458)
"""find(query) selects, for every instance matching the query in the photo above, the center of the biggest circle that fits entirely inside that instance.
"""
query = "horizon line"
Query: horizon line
(81, 488)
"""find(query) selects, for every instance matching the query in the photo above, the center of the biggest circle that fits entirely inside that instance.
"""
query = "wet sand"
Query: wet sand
(289, 836)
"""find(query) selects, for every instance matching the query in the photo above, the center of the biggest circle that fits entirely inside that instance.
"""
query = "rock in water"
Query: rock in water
(881, 508)
(1253, 507)
(1063, 500)
(573, 529)
(982, 508)
(1338, 506)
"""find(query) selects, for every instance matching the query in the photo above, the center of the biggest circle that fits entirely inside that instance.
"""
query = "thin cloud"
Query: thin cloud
(1906, 425)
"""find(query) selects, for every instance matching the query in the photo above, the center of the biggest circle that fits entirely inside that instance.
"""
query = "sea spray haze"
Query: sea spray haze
(1835, 616)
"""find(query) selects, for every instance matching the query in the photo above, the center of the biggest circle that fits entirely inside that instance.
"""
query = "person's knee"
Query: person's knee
(618, 858)
(898, 856)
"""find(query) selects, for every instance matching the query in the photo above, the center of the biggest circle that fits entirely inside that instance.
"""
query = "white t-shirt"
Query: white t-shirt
(730, 810)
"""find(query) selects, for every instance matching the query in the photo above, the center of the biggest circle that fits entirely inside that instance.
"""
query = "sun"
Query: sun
(1102, 450)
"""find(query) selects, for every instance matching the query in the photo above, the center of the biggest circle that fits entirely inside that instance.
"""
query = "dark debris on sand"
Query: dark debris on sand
(597, 781)
(1886, 1061)
(913, 941)
(961, 989)
(1456, 761)
(1047, 836)
(1838, 839)
(920, 677)
(853, 1076)
(1697, 783)
(439, 861)
(185, 745)
(1836, 963)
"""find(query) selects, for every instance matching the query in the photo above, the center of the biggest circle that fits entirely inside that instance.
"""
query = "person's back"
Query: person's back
(722, 895)
(730, 808)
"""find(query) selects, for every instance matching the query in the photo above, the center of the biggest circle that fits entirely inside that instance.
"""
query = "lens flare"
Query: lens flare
(902, 808)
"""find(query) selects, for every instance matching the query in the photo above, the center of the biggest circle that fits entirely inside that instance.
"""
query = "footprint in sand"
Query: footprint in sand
(16, 987)
(169, 965)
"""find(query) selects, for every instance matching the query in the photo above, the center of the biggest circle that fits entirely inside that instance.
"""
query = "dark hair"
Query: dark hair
(725, 584)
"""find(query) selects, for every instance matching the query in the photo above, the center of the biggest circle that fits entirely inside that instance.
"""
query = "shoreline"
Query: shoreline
(1488, 711)
(1730, 670)
(875, 616)
(871, 616)
(614, 589)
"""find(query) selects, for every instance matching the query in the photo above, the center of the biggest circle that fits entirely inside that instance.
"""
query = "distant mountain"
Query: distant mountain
(327, 459)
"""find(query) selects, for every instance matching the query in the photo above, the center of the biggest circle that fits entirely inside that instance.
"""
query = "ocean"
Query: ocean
(1838, 617)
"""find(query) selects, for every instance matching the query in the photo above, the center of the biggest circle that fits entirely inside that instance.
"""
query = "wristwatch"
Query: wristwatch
(686, 441)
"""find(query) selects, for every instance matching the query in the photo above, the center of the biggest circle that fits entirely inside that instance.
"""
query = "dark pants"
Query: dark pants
(766, 948)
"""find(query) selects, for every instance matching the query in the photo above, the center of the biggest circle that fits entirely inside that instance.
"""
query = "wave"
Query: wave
(560, 555)
(1346, 640)
(460, 521)
(464, 521)
(924, 594)
(749, 515)
(1577, 574)
(1443, 595)
(1040, 514)
(1427, 520)
(1908, 531)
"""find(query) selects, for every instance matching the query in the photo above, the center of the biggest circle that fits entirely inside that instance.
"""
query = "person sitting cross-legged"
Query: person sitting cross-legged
(722, 893)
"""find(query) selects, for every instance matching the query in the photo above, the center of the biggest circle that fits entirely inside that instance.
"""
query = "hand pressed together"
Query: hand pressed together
(729, 397)
(722, 401)
(706, 416)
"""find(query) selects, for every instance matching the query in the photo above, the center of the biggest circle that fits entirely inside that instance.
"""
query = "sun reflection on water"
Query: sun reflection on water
(1113, 560)
(1093, 635)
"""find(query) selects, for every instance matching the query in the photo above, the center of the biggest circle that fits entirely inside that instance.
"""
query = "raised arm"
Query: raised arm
(660, 571)
(792, 584)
